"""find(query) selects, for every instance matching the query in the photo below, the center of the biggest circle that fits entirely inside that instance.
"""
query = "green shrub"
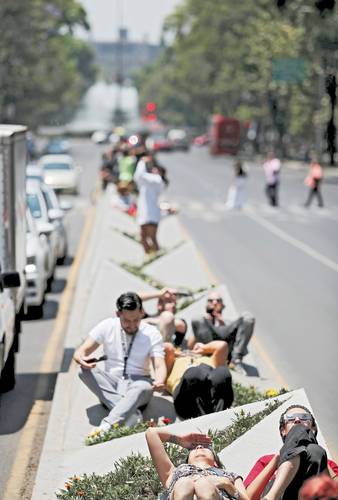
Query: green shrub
(135, 477)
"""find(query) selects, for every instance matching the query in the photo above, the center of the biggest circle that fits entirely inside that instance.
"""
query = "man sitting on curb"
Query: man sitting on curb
(212, 326)
(198, 380)
(281, 476)
(172, 328)
(124, 385)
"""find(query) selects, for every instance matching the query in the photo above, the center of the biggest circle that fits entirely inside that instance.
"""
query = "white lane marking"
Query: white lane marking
(290, 239)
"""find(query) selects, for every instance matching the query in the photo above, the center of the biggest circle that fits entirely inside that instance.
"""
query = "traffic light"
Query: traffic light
(149, 113)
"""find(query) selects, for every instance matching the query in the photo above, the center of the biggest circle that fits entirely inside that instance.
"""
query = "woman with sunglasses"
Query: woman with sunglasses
(202, 477)
(280, 476)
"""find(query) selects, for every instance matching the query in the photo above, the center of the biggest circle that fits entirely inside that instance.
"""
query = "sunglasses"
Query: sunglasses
(303, 417)
(216, 300)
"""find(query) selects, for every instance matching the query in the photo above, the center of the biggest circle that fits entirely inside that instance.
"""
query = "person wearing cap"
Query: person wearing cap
(280, 476)
(213, 326)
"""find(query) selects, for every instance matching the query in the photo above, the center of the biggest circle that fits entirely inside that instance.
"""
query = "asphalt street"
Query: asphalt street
(281, 264)
(32, 385)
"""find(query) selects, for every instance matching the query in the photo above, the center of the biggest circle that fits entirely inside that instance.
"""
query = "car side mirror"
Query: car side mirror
(10, 280)
(45, 228)
(66, 205)
(55, 213)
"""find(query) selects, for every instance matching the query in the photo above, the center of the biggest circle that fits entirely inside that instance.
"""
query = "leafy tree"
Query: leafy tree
(219, 59)
(44, 70)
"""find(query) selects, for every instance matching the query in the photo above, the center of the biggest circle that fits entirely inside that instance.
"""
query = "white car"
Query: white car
(60, 173)
(56, 217)
(37, 267)
(38, 208)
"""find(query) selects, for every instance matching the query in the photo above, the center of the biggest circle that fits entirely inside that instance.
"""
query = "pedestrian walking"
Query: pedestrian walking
(124, 384)
(272, 167)
(150, 183)
(236, 193)
(313, 181)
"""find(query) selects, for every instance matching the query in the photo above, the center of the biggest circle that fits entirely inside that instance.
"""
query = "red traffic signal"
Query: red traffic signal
(151, 107)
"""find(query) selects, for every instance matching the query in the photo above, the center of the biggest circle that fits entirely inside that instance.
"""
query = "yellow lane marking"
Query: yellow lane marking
(16, 482)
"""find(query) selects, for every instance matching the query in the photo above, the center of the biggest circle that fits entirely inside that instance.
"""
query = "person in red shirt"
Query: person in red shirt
(281, 476)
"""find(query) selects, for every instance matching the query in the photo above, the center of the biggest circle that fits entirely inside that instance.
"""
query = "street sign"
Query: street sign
(289, 70)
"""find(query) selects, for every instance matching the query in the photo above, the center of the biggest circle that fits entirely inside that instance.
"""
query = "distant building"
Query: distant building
(121, 59)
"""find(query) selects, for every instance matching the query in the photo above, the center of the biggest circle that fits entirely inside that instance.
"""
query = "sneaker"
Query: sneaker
(134, 419)
(239, 367)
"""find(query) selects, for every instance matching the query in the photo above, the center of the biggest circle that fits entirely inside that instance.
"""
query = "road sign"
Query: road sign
(287, 69)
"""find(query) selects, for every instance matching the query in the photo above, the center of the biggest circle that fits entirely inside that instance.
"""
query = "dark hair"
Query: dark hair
(128, 301)
(216, 458)
(282, 421)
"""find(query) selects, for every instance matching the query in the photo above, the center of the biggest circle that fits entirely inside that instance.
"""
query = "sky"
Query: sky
(142, 18)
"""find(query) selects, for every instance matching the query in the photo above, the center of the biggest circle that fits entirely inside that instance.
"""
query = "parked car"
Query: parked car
(201, 140)
(56, 217)
(38, 208)
(34, 171)
(37, 267)
(158, 142)
(60, 173)
(179, 139)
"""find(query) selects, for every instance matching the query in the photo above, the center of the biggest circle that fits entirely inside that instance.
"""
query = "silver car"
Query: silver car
(38, 208)
(37, 267)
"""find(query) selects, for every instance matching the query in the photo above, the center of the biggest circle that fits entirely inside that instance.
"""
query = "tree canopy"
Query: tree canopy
(44, 69)
(219, 58)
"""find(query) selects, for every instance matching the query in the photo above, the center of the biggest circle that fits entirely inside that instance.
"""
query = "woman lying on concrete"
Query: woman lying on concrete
(202, 477)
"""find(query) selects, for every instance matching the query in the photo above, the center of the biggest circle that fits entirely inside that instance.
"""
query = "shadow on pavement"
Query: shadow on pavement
(50, 309)
(68, 261)
(29, 388)
(58, 285)
(95, 414)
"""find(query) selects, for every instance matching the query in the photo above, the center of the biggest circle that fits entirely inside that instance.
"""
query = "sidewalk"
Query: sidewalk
(101, 280)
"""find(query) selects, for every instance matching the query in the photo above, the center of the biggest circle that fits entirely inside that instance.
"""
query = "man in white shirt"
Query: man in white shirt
(124, 384)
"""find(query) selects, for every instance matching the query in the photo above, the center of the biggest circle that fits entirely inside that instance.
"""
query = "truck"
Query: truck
(13, 160)
(224, 135)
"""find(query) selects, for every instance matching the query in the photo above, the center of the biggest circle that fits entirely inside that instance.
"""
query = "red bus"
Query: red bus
(225, 135)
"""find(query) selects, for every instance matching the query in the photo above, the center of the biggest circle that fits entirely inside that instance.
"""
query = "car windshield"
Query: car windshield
(57, 166)
(34, 176)
(34, 205)
(47, 199)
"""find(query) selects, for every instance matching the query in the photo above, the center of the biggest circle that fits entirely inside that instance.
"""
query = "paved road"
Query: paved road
(31, 385)
(282, 264)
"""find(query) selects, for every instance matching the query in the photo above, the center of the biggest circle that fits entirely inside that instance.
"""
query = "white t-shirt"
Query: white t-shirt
(147, 344)
(150, 187)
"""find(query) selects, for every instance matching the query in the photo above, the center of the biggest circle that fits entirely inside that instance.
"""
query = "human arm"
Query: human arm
(208, 348)
(263, 474)
(191, 341)
(83, 353)
(160, 372)
(156, 437)
(157, 294)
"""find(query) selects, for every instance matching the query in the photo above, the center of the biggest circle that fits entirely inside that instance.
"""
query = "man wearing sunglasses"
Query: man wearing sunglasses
(213, 326)
(280, 476)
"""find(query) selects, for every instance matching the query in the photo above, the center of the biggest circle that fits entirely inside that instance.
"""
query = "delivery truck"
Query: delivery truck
(13, 159)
